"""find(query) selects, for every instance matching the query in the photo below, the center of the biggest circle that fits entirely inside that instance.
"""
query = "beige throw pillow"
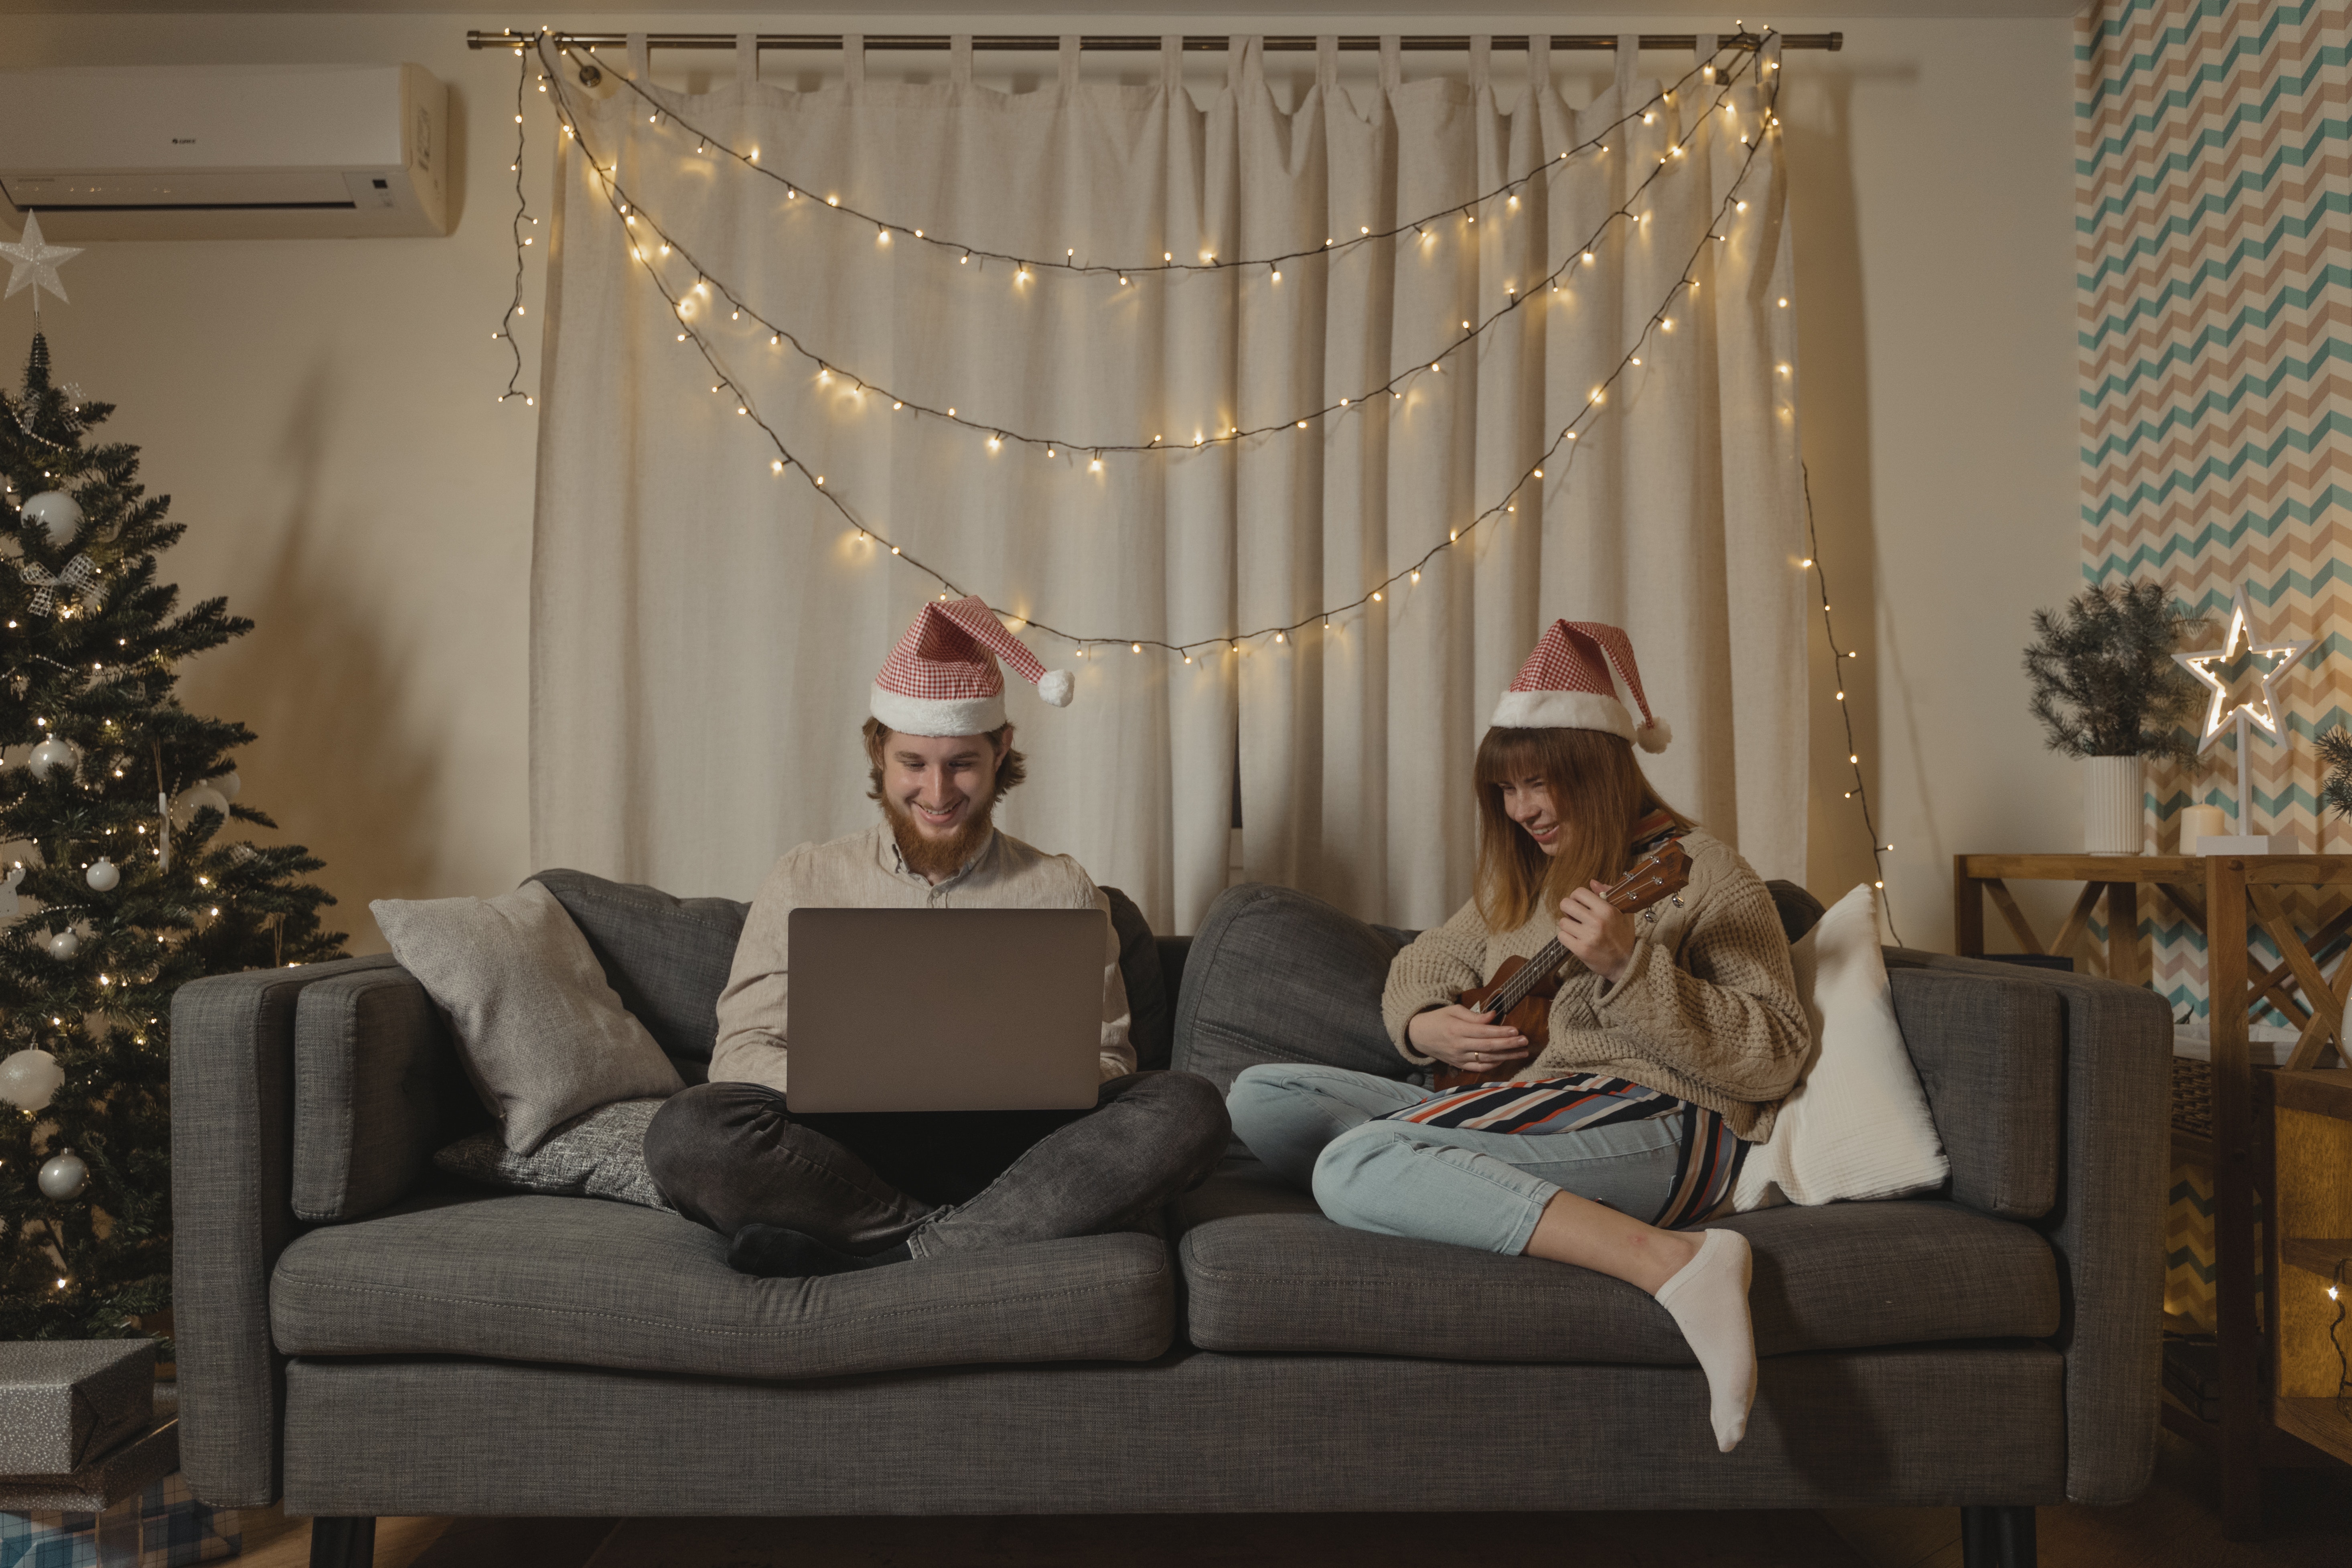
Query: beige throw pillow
(538, 1027)
(1857, 1124)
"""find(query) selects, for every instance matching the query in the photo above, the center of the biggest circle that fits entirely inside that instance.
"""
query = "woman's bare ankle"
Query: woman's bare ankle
(1662, 1255)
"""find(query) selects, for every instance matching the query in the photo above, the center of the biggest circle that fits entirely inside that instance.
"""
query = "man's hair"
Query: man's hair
(1598, 793)
(1012, 770)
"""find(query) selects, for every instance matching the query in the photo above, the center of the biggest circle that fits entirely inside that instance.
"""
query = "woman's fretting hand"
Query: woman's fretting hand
(1597, 932)
(1461, 1038)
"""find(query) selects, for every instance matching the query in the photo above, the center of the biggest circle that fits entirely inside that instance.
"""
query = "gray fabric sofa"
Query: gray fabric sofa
(362, 1337)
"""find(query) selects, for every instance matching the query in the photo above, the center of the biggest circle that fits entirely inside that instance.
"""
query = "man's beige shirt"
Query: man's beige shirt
(864, 871)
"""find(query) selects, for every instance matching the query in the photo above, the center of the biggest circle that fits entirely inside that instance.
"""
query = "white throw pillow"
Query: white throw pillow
(540, 1029)
(1857, 1124)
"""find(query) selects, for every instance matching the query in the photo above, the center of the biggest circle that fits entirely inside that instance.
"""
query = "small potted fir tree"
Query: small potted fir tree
(2107, 691)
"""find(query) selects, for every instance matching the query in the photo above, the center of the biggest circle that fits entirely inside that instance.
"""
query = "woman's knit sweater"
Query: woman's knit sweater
(1707, 1009)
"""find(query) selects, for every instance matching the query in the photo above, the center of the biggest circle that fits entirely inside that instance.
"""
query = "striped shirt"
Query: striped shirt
(1707, 1152)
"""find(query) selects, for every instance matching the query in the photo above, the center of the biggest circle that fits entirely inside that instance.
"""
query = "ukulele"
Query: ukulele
(1521, 991)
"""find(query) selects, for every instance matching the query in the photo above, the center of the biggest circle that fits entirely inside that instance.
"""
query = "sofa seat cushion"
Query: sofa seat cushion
(542, 1279)
(1263, 1270)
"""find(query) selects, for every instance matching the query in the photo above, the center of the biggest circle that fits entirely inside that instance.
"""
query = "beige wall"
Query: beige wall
(322, 414)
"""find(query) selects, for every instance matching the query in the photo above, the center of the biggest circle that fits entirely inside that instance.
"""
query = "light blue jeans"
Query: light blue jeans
(1314, 1126)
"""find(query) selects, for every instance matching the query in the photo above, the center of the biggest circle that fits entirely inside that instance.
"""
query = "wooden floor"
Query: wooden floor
(2174, 1525)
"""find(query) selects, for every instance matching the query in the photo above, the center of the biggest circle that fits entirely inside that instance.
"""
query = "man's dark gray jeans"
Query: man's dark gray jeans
(730, 1154)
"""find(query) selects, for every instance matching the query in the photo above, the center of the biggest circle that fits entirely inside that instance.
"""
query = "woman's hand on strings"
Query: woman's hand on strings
(1597, 932)
(1462, 1038)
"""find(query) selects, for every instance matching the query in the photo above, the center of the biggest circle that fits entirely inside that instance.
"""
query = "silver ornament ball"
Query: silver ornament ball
(64, 945)
(52, 754)
(30, 1079)
(57, 513)
(102, 875)
(228, 784)
(63, 1177)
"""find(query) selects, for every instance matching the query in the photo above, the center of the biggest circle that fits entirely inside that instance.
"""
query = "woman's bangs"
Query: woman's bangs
(1507, 756)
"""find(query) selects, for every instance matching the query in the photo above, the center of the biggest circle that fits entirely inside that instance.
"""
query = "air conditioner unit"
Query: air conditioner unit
(226, 151)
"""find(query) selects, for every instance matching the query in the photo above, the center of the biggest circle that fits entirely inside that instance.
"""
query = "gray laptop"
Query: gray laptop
(945, 1009)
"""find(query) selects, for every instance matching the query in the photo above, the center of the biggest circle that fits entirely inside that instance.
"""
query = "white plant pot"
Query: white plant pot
(2112, 809)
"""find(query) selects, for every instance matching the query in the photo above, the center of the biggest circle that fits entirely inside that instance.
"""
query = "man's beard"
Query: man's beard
(927, 856)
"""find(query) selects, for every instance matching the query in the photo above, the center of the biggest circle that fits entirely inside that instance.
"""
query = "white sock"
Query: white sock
(1708, 1299)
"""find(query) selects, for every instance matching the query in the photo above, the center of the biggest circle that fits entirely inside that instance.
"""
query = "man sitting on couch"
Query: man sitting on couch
(821, 1194)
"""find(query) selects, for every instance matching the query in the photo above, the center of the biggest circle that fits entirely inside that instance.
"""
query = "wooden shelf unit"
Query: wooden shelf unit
(2310, 1246)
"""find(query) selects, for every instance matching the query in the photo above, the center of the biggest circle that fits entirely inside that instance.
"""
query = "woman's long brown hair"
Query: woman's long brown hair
(1597, 792)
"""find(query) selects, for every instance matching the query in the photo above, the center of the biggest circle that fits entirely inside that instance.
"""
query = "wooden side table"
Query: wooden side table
(2224, 897)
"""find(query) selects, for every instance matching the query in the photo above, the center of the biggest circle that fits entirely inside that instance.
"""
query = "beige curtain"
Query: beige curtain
(704, 629)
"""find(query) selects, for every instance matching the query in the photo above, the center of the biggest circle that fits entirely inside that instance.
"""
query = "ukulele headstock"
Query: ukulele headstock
(1660, 874)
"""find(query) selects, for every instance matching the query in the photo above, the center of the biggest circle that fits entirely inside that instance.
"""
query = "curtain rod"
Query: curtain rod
(1215, 44)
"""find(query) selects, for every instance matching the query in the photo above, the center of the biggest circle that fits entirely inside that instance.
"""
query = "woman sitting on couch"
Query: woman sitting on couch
(1673, 1037)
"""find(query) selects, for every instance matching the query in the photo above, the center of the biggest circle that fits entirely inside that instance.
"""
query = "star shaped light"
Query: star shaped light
(36, 263)
(2263, 709)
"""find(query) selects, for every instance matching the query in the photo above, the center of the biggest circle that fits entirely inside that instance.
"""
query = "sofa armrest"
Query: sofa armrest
(232, 1215)
(2105, 1221)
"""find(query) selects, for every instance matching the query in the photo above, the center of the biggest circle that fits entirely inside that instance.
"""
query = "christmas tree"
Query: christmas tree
(121, 882)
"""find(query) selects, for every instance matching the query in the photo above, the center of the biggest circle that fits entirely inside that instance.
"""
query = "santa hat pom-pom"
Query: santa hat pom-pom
(1653, 736)
(1055, 687)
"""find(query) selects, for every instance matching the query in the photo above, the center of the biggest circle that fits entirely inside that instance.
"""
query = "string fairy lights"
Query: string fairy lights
(641, 248)
(1474, 334)
(1860, 793)
(522, 218)
(707, 143)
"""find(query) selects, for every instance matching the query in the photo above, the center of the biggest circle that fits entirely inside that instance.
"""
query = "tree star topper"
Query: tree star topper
(36, 263)
(2263, 711)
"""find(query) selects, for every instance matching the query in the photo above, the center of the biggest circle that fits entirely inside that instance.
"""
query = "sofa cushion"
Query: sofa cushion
(1150, 1006)
(1276, 975)
(1263, 1270)
(538, 1278)
(1800, 911)
(1990, 1043)
(366, 1036)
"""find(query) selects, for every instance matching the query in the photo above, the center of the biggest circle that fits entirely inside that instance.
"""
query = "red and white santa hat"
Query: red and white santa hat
(1582, 676)
(942, 680)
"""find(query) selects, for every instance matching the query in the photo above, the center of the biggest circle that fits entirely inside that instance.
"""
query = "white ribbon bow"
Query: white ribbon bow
(80, 576)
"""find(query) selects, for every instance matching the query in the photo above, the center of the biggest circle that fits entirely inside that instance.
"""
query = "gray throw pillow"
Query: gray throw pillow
(599, 1155)
(540, 1029)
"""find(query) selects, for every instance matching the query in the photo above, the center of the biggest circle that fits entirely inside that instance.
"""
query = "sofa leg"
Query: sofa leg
(1997, 1538)
(342, 1543)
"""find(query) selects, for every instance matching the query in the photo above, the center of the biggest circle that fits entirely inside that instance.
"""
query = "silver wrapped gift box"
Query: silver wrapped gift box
(65, 1403)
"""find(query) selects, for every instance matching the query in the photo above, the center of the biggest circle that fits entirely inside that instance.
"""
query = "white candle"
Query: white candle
(2199, 821)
